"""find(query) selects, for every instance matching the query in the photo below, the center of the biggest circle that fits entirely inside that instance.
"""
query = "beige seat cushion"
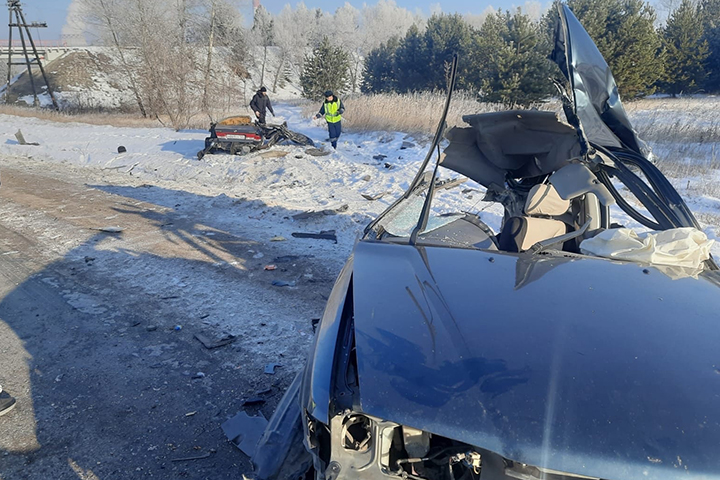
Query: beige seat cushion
(544, 200)
(538, 229)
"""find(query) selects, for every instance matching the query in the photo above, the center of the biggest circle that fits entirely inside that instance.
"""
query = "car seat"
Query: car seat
(543, 203)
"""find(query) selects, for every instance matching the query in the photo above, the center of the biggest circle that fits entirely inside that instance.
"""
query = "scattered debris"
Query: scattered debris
(286, 258)
(21, 139)
(366, 178)
(323, 235)
(270, 368)
(89, 259)
(278, 239)
(320, 213)
(151, 328)
(244, 431)
(190, 414)
(253, 401)
(198, 375)
(178, 328)
(379, 157)
(282, 283)
(187, 459)
(273, 154)
(270, 267)
(110, 229)
(264, 392)
(209, 343)
(121, 149)
(389, 166)
(372, 197)
(406, 145)
(317, 152)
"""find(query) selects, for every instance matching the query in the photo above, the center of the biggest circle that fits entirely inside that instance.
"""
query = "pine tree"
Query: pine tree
(685, 49)
(624, 32)
(445, 36)
(511, 54)
(710, 13)
(411, 62)
(379, 75)
(327, 68)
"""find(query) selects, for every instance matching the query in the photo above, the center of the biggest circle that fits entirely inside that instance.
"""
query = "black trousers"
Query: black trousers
(334, 129)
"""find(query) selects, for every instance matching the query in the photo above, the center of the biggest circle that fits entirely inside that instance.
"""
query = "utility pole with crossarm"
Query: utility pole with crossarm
(31, 55)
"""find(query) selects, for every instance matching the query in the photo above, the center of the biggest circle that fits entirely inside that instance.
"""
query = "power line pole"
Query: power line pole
(20, 23)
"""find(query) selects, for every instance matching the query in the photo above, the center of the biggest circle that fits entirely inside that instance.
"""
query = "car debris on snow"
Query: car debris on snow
(320, 213)
(270, 368)
(110, 229)
(244, 431)
(21, 139)
(372, 198)
(323, 235)
(282, 283)
(210, 343)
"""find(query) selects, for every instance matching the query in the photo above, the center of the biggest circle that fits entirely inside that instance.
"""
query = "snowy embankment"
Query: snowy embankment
(262, 194)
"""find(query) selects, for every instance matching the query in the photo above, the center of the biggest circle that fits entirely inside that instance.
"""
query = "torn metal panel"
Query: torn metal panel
(245, 431)
(280, 451)
(595, 93)
(490, 150)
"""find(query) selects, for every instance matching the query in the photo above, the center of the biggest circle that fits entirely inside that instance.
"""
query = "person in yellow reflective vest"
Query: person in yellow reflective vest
(332, 109)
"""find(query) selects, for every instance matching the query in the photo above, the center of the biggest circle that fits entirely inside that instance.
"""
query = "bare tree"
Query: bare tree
(108, 18)
(263, 35)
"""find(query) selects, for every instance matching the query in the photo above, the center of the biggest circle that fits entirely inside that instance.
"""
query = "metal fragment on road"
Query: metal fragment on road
(270, 368)
(323, 235)
(245, 431)
(210, 343)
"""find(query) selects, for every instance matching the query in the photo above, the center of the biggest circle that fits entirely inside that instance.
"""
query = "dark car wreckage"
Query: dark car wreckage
(448, 351)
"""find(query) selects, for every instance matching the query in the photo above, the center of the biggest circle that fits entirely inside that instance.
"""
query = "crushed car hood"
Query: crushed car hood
(594, 91)
(575, 364)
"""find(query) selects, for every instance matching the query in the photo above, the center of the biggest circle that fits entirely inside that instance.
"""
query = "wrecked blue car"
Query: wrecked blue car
(581, 340)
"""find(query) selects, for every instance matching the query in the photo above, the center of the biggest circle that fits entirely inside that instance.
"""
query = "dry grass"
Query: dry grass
(105, 118)
(684, 134)
(416, 113)
(665, 120)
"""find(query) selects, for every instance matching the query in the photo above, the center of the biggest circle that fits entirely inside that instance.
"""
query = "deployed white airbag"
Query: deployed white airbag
(683, 247)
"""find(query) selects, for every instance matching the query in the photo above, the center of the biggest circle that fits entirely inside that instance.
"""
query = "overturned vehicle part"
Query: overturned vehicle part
(448, 351)
(239, 135)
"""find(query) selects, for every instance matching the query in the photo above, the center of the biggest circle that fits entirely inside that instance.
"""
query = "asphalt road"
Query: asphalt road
(107, 387)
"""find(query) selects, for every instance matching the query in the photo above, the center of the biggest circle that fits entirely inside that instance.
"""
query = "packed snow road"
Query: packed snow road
(103, 255)
(97, 328)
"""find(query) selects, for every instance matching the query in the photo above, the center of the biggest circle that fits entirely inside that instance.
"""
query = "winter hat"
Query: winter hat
(328, 93)
(263, 89)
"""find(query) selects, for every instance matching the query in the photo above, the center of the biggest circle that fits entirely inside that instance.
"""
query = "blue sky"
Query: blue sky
(54, 12)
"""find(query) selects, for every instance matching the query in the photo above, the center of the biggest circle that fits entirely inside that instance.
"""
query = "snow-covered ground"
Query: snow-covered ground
(265, 192)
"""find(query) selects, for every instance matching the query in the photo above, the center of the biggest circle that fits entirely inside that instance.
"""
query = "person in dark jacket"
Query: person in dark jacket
(332, 109)
(259, 103)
